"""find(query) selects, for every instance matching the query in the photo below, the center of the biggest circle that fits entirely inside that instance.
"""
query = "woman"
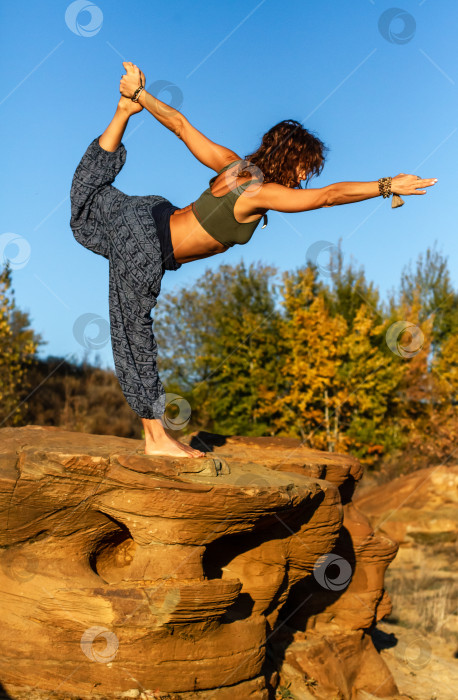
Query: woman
(142, 236)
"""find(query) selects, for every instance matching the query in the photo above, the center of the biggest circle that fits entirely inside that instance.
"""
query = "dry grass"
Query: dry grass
(424, 590)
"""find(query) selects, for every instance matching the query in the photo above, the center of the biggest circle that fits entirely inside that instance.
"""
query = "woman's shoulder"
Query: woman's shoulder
(225, 167)
(231, 160)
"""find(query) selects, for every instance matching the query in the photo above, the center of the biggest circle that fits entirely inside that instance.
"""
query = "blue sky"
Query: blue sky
(378, 87)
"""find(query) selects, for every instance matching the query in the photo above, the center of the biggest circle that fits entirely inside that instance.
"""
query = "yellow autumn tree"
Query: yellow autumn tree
(18, 344)
(338, 384)
(445, 368)
(311, 337)
(409, 337)
(370, 376)
(426, 415)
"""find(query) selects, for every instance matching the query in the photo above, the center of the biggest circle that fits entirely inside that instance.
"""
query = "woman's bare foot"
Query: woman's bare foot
(158, 442)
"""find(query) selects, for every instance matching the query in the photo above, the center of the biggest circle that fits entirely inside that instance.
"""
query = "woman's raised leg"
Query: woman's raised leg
(94, 200)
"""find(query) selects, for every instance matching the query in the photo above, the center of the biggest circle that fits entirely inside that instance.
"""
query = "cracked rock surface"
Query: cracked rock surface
(124, 575)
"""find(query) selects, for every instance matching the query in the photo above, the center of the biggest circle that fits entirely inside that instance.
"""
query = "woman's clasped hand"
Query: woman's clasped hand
(133, 78)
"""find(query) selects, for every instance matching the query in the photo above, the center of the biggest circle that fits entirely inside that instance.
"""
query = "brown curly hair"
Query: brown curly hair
(283, 148)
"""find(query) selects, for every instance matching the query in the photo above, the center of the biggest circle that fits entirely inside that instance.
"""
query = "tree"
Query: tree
(18, 345)
(371, 374)
(219, 343)
(430, 284)
(349, 289)
(425, 427)
(311, 359)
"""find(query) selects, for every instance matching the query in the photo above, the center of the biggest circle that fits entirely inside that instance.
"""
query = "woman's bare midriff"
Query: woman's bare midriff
(190, 241)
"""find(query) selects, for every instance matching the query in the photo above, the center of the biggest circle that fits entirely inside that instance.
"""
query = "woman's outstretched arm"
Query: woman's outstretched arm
(164, 113)
(287, 199)
(211, 154)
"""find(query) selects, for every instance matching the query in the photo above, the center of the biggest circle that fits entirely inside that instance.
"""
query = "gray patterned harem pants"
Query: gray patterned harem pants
(122, 229)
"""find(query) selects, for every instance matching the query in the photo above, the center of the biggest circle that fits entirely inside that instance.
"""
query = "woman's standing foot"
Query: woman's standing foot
(158, 442)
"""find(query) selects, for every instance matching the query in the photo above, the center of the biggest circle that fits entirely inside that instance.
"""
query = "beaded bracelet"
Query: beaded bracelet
(384, 185)
(136, 94)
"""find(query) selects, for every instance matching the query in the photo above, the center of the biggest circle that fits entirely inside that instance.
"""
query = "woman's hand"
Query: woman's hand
(125, 103)
(132, 80)
(410, 184)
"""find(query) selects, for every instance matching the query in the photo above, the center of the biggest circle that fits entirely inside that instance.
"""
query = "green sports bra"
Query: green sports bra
(216, 214)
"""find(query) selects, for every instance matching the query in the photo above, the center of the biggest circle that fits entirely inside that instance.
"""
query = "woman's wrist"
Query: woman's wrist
(142, 96)
(112, 136)
(123, 111)
(384, 184)
(137, 93)
(164, 113)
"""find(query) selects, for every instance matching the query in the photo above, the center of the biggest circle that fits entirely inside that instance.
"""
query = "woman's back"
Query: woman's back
(214, 222)
(215, 208)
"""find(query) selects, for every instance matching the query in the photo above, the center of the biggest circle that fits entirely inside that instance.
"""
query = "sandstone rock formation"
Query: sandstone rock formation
(129, 576)
(420, 510)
